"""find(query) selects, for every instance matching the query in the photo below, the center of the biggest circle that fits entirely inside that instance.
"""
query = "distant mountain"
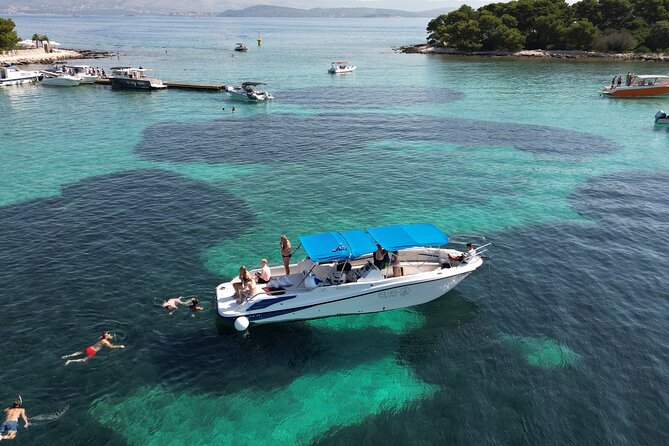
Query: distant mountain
(348, 13)
(193, 7)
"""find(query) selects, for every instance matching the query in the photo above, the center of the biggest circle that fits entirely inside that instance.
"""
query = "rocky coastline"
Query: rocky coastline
(39, 56)
(423, 48)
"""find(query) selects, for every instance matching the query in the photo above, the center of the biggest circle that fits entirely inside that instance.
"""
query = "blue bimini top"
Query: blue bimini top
(336, 246)
(396, 237)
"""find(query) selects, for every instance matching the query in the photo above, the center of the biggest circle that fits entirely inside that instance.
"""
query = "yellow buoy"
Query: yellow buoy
(259, 40)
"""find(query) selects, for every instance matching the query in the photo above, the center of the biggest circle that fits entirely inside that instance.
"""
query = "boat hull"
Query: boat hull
(61, 81)
(23, 80)
(346, 299)
(636, 92)
(134, 84)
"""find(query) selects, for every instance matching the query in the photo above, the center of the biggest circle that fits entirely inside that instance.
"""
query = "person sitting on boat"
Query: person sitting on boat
(246, 287)
(395, 262)
(265, 273)
(465, 257)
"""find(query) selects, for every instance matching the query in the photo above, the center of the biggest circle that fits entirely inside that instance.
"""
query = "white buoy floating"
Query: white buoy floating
(241, 323)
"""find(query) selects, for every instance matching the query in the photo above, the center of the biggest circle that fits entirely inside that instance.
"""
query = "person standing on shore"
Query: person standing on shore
(9, 428)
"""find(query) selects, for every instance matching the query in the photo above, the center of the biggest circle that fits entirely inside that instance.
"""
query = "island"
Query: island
(619, 29)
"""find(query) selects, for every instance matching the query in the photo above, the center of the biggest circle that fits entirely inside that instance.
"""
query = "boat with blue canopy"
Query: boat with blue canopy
(354, 272)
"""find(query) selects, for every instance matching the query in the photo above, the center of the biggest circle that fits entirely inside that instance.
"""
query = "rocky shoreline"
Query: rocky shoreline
(39, 56)
(423, 48)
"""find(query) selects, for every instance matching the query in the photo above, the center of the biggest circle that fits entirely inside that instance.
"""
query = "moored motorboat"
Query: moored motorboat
(241, 47)
(134, 79)
(248, 92)
(11, 75)
(661, 118)
(60, 79)
(340, 67)
(85, 72)
(639, 86)
(339, 276)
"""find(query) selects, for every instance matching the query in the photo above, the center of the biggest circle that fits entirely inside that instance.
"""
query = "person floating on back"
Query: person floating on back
(171, 304)
(9, 428)
(93, 349)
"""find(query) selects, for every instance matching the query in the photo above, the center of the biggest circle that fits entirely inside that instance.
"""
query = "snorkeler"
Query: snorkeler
(93, 349)
(10, 426)
(194, 304)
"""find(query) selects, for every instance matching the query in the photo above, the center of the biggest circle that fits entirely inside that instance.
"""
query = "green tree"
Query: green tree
(505, 38)
(614, 13)
(589, 10)
(658, 37)
(651, 11)
(8, 37)
(464, 35)
(579, 35)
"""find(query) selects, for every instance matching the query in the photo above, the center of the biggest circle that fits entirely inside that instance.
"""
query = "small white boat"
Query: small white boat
(241, 47)
(134, 79)
(60, 79)
(340, 277)
(247, 92)
(11, 75)
(341, 67)
(85, 72)
(661, 118)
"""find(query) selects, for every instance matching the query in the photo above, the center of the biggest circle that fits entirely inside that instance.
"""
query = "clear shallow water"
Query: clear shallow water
(112, 201)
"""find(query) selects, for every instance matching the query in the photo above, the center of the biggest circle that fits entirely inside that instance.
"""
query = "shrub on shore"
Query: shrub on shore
(8, 37)
(606, 25)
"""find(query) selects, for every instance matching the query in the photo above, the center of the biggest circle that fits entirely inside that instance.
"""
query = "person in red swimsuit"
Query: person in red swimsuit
(93, 349)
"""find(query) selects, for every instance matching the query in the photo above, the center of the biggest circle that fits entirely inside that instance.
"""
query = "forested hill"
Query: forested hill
(602, 25)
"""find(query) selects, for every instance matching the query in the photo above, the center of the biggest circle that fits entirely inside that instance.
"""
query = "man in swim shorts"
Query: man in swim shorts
(11, 425)
(93, 349)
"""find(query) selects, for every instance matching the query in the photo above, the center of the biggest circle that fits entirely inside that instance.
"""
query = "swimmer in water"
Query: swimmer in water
(93, 349)
(194, 304)
(171, 304)
(9, 428)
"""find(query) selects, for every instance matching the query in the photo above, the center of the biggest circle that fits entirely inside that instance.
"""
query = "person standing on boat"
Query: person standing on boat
(93, 349)
(265, 272)
(10, 426)
(620, 80)
(285, 253)
(380, 257)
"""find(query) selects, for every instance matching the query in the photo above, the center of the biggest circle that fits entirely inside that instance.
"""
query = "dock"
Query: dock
(180, 85)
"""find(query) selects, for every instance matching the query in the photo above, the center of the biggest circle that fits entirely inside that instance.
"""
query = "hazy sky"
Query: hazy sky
(406, 5)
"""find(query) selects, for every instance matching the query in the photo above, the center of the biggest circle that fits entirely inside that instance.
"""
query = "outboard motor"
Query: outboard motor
(660, 115)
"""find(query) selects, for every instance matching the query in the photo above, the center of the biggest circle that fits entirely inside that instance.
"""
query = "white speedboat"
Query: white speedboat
(341, 67)
(247, 92)
(338, 276)
(134, 79)
(85, 72)
(60, 79)
(241, 47)
(661, 118)
(11, 75)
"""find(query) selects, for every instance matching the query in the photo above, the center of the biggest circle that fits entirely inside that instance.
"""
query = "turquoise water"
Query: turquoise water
(113, 201)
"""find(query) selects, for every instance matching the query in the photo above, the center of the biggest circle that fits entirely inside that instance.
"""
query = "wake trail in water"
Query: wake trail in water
(49, 417)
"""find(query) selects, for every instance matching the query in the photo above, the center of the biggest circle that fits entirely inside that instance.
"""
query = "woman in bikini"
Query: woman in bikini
(285, 253)
(246, 286)
(93, 349)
